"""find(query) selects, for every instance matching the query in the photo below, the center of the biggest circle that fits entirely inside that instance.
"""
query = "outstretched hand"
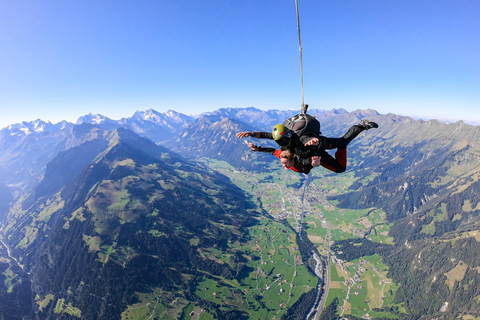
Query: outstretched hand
(316, 161)
(252, 146)
(313, 142)
(244, 134)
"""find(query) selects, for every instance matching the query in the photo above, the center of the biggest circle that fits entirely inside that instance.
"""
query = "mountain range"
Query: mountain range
(102, 216)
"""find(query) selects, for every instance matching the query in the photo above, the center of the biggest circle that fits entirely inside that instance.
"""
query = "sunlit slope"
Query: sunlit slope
(425, 176)
(117, 226)
(426, 171)
(410, 185)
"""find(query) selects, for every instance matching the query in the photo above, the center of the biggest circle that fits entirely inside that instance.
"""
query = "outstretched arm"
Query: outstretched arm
(254, 134)
(260, 149)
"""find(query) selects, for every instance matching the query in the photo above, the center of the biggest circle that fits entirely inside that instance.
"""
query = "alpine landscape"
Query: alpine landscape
(170, 216)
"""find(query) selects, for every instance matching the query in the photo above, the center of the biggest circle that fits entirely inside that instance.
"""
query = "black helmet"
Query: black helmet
(282, 135)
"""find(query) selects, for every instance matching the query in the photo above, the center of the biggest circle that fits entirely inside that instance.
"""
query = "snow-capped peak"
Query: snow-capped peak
(171, 113)
(93, 119)
(37, 126)
(148, 115)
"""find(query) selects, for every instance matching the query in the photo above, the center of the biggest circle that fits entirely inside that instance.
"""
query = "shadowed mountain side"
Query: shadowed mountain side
(68, 164)
(23, 159)
(136, 218)
(15, 294)
(6, 199)
(65, 167)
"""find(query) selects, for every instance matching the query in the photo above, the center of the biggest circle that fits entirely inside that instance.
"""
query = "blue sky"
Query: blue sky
(64, 59)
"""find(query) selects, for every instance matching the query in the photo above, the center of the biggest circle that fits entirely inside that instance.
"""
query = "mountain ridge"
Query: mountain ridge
(82, 225)
(151, 115)
(112, 201)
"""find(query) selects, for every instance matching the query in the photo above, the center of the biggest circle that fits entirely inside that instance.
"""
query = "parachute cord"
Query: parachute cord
(301, 62)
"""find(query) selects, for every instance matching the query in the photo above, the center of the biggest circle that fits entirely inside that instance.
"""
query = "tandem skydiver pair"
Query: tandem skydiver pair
(302, 147)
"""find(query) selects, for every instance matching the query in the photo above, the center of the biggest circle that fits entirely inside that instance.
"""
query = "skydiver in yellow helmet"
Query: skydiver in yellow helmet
(309, 149)
(286, 139)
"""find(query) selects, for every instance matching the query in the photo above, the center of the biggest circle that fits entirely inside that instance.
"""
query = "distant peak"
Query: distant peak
(93, 119)
(39, 122)
(37, 126)
(147, 115)
(171, 113)
(339, 111)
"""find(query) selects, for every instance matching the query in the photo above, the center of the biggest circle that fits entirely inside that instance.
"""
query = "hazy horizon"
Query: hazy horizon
(473, 123)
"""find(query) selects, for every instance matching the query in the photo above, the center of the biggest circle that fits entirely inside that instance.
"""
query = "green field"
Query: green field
(273, 280)
(364, 280)
(370, 289)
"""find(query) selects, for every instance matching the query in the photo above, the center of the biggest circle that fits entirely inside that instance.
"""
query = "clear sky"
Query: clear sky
(61, 59)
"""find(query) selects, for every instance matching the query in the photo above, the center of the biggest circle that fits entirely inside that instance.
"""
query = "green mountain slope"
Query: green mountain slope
(136, 224)
(422, 177)
(118, 227)
(425, 176)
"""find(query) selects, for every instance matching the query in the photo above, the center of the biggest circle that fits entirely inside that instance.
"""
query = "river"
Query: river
(319, 273)
(10, 256)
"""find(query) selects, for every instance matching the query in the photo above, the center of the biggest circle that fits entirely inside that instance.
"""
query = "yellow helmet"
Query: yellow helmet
(281, 135)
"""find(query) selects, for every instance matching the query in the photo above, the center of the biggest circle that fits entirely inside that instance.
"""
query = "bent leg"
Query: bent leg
(337, 164)
(341, 157)
(336, 143)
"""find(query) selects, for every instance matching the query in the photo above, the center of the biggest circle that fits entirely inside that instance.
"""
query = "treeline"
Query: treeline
(424, 286)
(330, 312)
(421, 270)
(104, 289)
(15, 302)
(396, 201)
(306, 248)
(356, 248)
(404, 199)
(299, 310)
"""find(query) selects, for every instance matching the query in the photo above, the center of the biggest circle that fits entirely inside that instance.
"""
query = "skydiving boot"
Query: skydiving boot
(367, 124)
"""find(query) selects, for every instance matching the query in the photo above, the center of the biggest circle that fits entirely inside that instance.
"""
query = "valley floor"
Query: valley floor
(361, 286)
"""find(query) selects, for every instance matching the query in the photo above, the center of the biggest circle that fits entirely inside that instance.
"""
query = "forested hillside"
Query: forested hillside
(106, 220)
